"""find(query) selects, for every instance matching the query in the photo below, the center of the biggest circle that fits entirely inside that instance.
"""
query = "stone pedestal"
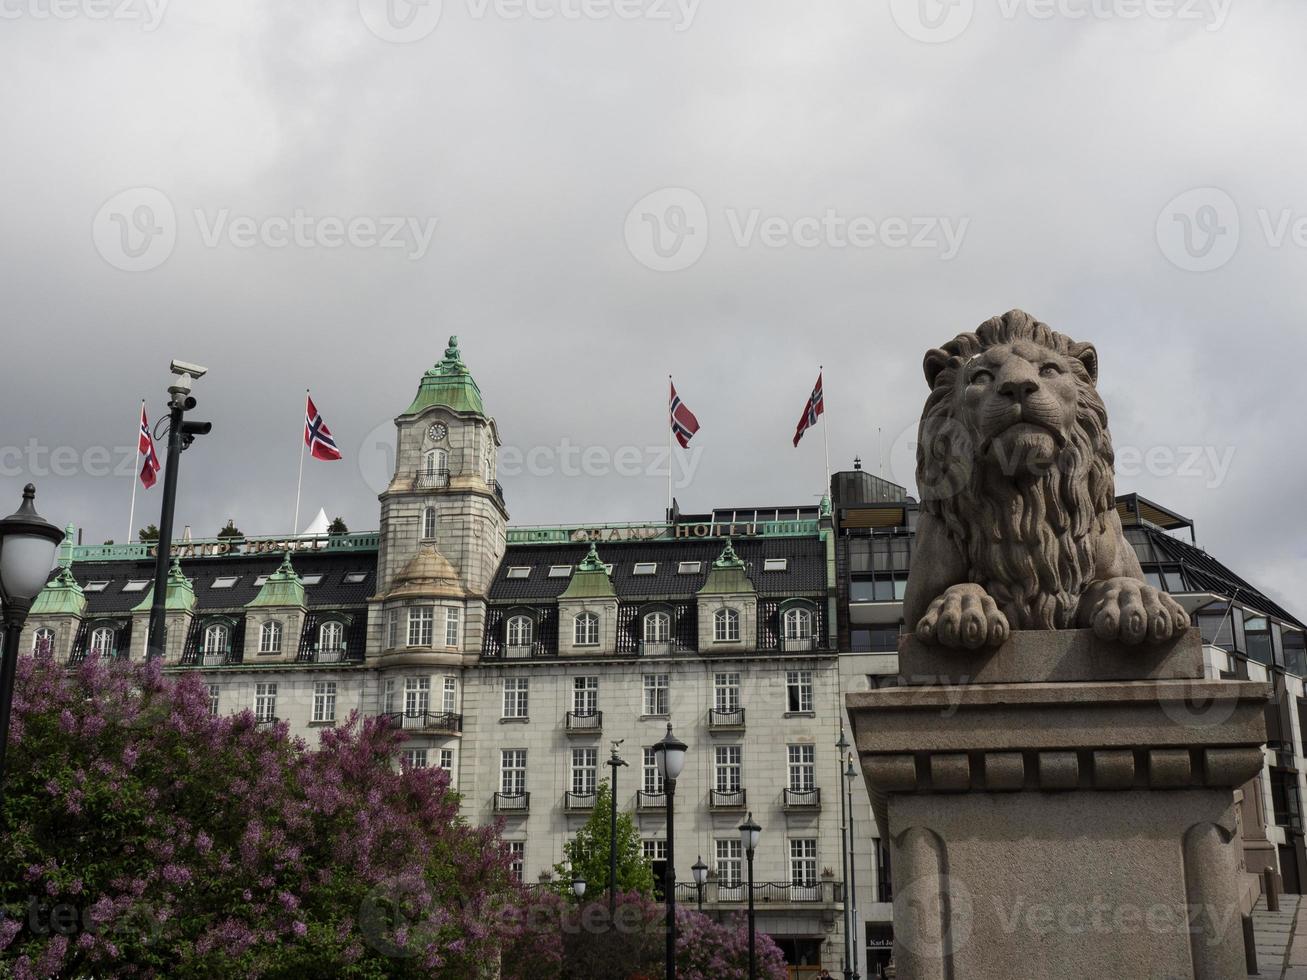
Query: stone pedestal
(1061, 807)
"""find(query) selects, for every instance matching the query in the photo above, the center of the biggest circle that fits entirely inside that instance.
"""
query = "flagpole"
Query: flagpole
(671, 449)
(821, 373)
(131, 517)
(299, 486)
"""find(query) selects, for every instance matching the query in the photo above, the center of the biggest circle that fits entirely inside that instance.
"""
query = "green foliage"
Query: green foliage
(338, 526)
(149, 533)
(588, 852)
(230, 531)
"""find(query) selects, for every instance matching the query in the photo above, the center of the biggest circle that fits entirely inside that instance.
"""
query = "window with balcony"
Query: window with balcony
(265, 702)
(417, 701)
(43, 643)
(519, 630)
(512, 772)
(420, 622)
(585, 695)
(270, 637)
(726, 692)
(585, 771)
(216, 638)
(656, 690)
(331, 640)
(435, 468)
(803, 861)
(652, 777)
(585, 630)
(657, 628)
(797, 627)
(517, 694)
(324, 701)
(726, 768)
(730, 868)
(430, 519)
(798, 691)
(726, 626)
(802, 767)
(102, 638)
(453, 625)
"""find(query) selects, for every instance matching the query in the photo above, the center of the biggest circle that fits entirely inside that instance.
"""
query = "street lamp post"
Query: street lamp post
(578, 885)
(700, 872)
(849, 774)
(749, 832)
(843, 746)
(180, 435)
(670, 753)
(27, 548)
(614, 762)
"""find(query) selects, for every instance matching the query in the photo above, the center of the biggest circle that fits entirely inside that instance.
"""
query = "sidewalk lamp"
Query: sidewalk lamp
(27, 548)
(749, 833)
(700, 872)
(670, 755)
(578, 885)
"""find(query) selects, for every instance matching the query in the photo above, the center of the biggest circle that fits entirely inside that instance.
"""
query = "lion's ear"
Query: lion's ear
(1088, 356)
(936, 361)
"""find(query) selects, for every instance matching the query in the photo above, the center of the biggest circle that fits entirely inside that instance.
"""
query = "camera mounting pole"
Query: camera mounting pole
(180, 435)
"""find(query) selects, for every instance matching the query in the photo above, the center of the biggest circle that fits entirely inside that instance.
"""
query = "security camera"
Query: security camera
(184, 367)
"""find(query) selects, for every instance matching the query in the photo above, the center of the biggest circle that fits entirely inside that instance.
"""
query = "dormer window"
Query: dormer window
(798, 624)
(102, 641)
(657, 627)
(216, 638)
(331, 637)
(586, 630)
(43, 643)
(429, 521)
(519, 630)
(775, 564)
(270, 637)
(645, 568)
(726, 626)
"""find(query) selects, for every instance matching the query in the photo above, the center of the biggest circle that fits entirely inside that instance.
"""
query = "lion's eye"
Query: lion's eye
(1049, 371)
(981, 378)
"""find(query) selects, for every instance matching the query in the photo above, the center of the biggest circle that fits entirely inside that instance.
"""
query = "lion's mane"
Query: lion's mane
(1031, 546)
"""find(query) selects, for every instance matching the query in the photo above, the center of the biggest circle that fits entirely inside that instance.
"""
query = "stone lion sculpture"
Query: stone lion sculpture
(1018, 528)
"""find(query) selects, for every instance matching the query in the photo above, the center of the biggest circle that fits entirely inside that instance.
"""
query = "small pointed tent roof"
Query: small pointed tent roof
(728, 574)
(282, 588)
(590, 580)
(449, 384)
(62, 596)
(318, 527)
(180, 592)
(429, 574)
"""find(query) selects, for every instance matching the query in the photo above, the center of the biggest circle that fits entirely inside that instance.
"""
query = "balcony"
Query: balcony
(825, 891)
(728, 799)
(426, 479)
(426, 721)
(215, 658)
(650, 801)
(801, 799)
(512, 802)
(651, 649)
(578, 802)
(518, 653)
(725, 721)
(585, 722)
(799, 644)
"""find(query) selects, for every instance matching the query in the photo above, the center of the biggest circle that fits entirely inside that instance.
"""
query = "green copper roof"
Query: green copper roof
(448, 384)
(590, 580)
(62, 596)
(727, 575)
(181, 593)
(283, 588)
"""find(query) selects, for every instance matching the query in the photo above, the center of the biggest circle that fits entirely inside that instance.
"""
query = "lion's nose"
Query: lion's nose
(1018, 390)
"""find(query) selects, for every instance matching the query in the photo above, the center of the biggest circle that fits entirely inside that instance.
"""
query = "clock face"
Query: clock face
(437, 431)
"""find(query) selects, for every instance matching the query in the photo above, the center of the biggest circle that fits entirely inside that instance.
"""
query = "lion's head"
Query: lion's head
(1015, 458)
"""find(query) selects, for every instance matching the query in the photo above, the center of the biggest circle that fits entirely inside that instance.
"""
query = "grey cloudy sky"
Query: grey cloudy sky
(251, 186)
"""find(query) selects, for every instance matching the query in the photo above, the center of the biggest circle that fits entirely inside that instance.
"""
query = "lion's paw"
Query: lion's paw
(1131, 612)
(964, 617)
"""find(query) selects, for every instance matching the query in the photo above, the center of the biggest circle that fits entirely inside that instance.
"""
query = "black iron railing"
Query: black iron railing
(732, 799)
(512, 802)
(585, 721)
(718, 719)
(426, 721)
(802, 799)
(820, 891)
(650, 801)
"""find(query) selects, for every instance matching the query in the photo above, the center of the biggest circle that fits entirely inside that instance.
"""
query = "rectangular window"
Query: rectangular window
(803, 767)
(655, 694)
(355, 578)
(324, 701)
(775, 564)
(517, 860)
(449, 697)
(560, 571)
(516, 697)
(453, 621)
(726, 768)
(388, 696)
(420, 620)
(689, 568)
(265, 702)
(519, 571)
(512, 772)
(654, 850)
(447, 760)
(311, 579)
(730, 862)
(803, 861)
(653, 779)
(645, 568)
(585, 695)
(214, 691)
(225, 581)
(417, 696)
(137, 585)
(726, 692)
(260, 581)
(95, 586)
(392, 629)
(585, 767)
(798, 690)
(414, 758)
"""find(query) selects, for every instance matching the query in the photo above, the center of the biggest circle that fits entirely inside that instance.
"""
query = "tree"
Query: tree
(149, 533)
(338, 526)
(588, 852)
(230, 531)
(141, 836)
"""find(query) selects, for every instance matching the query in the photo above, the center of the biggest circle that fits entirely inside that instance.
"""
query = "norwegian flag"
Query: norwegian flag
(684, 424)
(150, 467)
(316, 434)
(815, 407)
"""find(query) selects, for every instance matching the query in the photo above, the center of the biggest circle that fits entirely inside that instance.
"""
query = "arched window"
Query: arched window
(657, 627)
(43, 643)
(519, 631)
(216, 638)
(489, 464)
(586, 630)
(102, 641)
(798, 624)
(270, 637)
(429, 522)
(726, 626)
(331, 638)
(435, 466)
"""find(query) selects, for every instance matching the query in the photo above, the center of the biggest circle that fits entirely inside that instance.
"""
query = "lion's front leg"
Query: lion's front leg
(966, 617)
(1131, 612)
